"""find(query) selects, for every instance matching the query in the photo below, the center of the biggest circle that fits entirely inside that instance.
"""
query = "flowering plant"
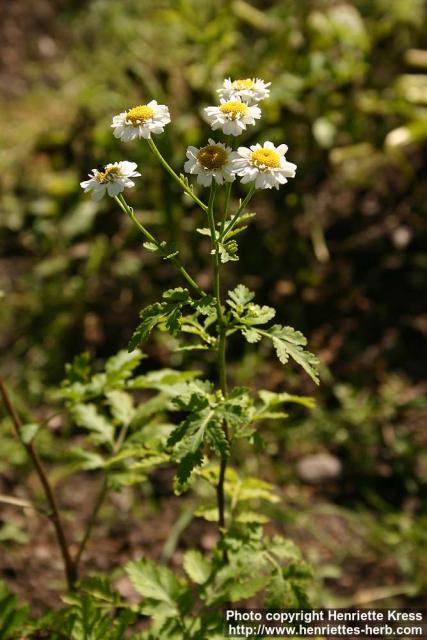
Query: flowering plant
(126, 441)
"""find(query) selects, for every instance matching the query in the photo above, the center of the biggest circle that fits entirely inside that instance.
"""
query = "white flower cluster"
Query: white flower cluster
(265, 165)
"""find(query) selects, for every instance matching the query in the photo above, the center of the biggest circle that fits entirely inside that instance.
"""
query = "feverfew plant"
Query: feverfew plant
(126, 440)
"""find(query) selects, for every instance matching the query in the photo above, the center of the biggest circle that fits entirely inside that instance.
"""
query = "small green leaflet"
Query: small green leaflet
(245, 311)
(196, 566)
(202, 427)
(290, 343)
(166, 313)
(88, 417)
(155, 582)
(287, 342)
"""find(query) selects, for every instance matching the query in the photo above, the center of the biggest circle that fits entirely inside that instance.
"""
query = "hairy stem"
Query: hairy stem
(129, 212)
(55, 516)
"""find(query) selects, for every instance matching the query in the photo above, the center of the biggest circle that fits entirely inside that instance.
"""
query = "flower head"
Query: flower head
(232, 116)
(113, 179)
(212, 162)
(249, 90)
(265, 165)
(141, 121)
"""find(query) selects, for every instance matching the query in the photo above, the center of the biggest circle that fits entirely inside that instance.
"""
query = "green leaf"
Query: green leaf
(289, 343)
(186, 466)
(167, 380)
(87, 460)
(166, 313)
(151, 316)
(79, 369)
(155, 582)
(88, 417)
(12, 617)
(246, 588)
(197, 567)
(247, 312)
(121, 405)
(121, 366)
(251, 335)
(240, 297)
(151, 246)
(204, 231)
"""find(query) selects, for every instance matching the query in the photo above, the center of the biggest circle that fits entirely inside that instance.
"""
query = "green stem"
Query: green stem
(222, 371)
(236, 216)
(226, 205)
(129, 212)
(174, 175)
(89, 528)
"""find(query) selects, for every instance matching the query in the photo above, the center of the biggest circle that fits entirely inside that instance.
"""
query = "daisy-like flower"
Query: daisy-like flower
(141, 121)
(265, 165)
(212, 162)
(249, 90)
(232, 116)
(113, 179)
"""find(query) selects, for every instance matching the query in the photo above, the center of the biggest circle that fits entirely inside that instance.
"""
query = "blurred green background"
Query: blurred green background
(340, 251)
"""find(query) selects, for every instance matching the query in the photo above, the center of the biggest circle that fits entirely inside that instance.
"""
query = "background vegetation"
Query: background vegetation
(340, 252)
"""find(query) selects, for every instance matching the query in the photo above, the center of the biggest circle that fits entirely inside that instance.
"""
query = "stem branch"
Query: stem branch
(129, 212)
(222, 333)
(69, 565)
(174, 175)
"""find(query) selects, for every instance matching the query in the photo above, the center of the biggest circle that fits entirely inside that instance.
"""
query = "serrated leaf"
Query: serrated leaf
(187, 464)
(289, 343)
(168, 380)
(122, 365)
(251, 335)
(177, 295)
(88, 417)
(241, 590)
(155, 582)
(167, 313)
(197, 567)
(121, 405)
(87, 460)
(240, 297)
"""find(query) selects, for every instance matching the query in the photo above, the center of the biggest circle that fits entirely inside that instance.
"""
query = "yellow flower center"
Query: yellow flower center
(212, 157)
(247, 83)
(108, 175)
(234, 109)
(139, 115)
(265, 157)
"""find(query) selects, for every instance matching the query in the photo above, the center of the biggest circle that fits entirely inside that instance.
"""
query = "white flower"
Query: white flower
(214, 161)
(112, 179)
(249, 90)
(141, 121)
(265, 165)
(232, 116)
